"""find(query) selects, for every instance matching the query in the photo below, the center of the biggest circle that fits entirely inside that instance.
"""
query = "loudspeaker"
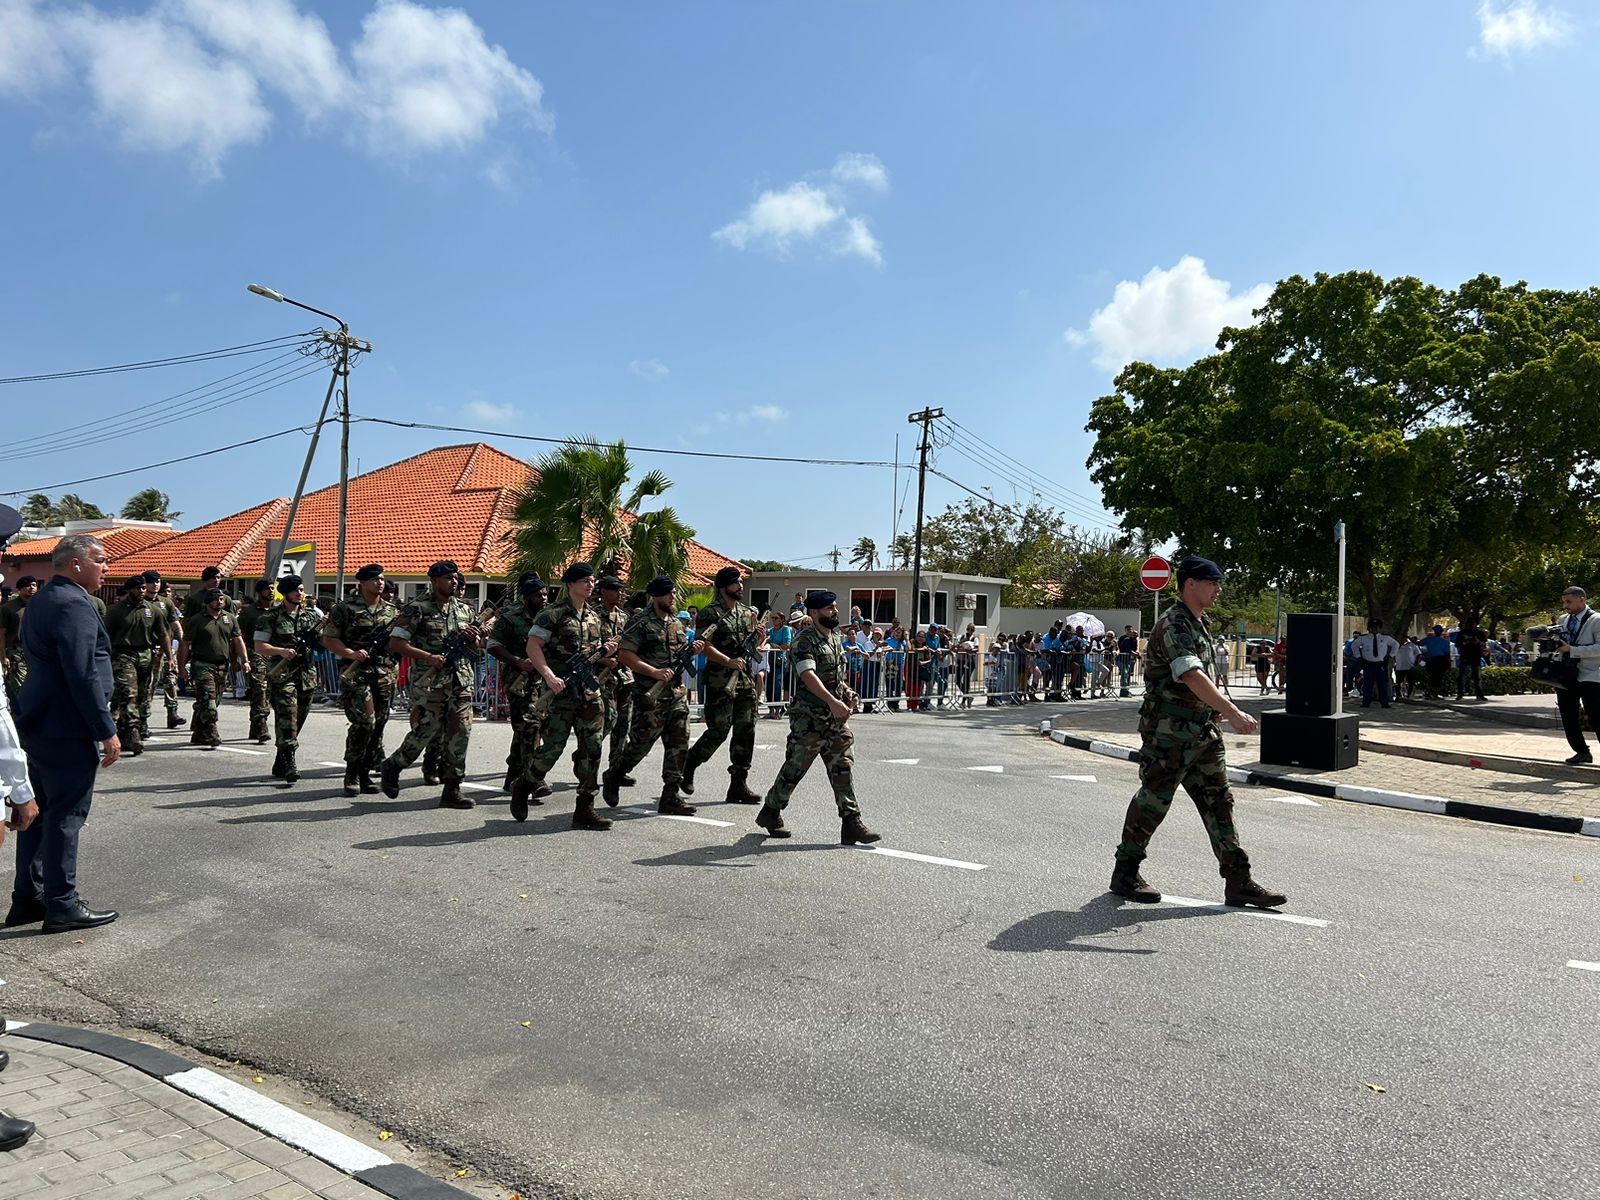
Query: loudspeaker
(1313, 669)
(1318, 743)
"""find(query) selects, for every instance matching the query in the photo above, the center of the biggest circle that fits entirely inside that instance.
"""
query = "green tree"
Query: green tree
(900, 552)
(575, 502)
(37, 510)
(864, 554)
(768, 564)
(72, 507)
(1432, 422)
(151, 504)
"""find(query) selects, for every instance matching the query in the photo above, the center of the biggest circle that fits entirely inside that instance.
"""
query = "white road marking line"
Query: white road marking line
(240, 750)
(766, 747)
(1307, 801)
(1077, 778)
(993, 770)
(278, 1121)
(695, 820)
(1189, 902)
(1580, 965)
(330, 764)
(925, 858)
(903, 762)
(481, 787)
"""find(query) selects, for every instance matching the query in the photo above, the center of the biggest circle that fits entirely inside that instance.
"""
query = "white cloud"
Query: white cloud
(188, 76)
(1505, 28)
(652, 369)
(812, 211)
(1167, 315)
(492, 414)
(769, 414)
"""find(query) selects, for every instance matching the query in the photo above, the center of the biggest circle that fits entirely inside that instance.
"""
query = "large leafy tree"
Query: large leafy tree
(578, 498)
(151, 504)
(1434, 423)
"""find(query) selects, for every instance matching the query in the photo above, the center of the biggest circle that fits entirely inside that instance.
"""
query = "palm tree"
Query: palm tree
(575, 498)
(900, 551)
(864, 554)
(151, 504)
(37, 510)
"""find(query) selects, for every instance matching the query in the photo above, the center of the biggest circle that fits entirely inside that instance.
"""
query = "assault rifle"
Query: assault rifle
(461, 645)
(684, 662)
(580, 676)
(377, 643)
(307, 641)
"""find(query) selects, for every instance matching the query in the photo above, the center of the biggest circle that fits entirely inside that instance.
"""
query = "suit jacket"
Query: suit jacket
(1585, 647)
(67, 694)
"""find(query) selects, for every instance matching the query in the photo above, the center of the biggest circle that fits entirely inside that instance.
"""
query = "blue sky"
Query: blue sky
(753, 228)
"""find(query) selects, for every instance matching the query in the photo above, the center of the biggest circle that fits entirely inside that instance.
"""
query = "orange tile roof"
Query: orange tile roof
(118, 539)
(454, 502)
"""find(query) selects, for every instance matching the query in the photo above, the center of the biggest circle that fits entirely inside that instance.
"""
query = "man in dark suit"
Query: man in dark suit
(62, 712)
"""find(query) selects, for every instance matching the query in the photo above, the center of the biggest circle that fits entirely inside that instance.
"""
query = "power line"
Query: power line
(1069, 507)
(1027, 470)
(175, 361)
(255, 441)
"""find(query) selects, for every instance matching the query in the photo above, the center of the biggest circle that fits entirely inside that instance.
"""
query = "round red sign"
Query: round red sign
(1156, 573)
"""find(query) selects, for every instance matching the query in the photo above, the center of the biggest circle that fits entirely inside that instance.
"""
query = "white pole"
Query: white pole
(1338, 629)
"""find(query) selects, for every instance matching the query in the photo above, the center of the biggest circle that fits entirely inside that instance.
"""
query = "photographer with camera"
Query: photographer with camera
(1579, 682)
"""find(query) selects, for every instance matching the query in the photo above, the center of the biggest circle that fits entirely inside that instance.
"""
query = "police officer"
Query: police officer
(367, 679)
(1182, 744)
(653, 646)
(251, 616)
(441, 689)
(566, 630)
(16, 662)
(164, 669)
(731, 630)
(616, 682)
(211, 641)
(286, 635)
(818, 714)
(131, 624)
(508, 645)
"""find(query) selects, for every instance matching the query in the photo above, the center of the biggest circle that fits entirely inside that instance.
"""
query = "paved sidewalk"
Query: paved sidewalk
(1409, 728)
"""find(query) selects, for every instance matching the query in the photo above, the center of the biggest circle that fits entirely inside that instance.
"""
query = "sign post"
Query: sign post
(297, 558)
(1155, 573)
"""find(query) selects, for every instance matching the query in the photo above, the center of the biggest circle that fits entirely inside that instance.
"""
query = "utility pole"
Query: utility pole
(835, 556)
(925, 418)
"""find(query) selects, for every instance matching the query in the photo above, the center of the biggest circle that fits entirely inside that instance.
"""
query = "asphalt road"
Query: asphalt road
(715, 1016)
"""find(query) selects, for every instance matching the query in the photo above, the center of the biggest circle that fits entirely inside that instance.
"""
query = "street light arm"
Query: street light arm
(282, 299)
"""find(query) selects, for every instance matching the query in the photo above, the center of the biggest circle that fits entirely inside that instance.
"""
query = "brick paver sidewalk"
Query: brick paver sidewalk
(108, 1131)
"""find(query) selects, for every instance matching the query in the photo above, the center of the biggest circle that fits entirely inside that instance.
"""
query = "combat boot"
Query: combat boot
(1130, 885)
(626, 780)
(584, 816)
(520, 788)
(451, 797)
(853, 832)
(213, 739)
(368, 788)
(351, 787)
(540, 791)
(739, 789)
(511, 778)
(670, 805)
(277, 763)
(259, 731)
(174, 721)
(291, 771)
(686, 784)
(430, 768)
(611, 788)
(1241, 890)
(389, 777)
(771, 820)
(196, 737)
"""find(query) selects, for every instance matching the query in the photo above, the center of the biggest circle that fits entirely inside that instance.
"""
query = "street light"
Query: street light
(341, 371)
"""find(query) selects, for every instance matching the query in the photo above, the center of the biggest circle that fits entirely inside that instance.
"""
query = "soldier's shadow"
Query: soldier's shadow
(559, 821)
(729, 854)
(1104, 916)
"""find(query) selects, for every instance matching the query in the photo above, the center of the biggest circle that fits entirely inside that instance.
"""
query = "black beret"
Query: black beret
(152, 576)
(288, 583)
(529, 581)
(441, 569)
(211, 594)
(370, 571)
(264, 585)
(821, 599)
(1199, 568)
(611, 582)
(136, 582)
(661, 585)
(26, 580)
(727, 577)
(576, 572)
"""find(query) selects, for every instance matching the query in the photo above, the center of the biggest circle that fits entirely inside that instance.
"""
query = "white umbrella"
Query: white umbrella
(1092, 626)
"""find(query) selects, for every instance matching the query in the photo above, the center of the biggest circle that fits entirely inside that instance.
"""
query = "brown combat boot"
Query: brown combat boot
(129, 737)
(739, 789)
(1130, 885)
(853, 832)
(670, 805)
(584, 816)
(1241, 890)
(771, 820)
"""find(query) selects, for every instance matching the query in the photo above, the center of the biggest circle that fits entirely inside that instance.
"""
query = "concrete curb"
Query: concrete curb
(341, 1152)
(1521, 818)
(1531, 767)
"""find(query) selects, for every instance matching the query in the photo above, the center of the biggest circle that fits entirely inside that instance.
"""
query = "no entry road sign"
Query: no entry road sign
(1155, 573)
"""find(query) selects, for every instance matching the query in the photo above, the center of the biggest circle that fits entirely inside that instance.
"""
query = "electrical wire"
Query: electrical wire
(255, 441)
(1027, 470)
(174, 361)
(1068, 507)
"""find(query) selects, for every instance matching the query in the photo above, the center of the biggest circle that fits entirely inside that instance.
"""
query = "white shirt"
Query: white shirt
(1406, 657)
(1375, 647)
(14, 783)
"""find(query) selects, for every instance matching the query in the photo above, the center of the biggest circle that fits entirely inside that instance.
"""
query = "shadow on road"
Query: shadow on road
(1105, 914)
(728, 854)
(541, 826)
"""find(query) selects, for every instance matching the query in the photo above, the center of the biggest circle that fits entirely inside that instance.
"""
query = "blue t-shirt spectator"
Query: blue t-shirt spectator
(1435, 646)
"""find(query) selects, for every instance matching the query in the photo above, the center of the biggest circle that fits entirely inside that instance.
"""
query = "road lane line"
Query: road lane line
(1190, 902)
(240, 750)
(1077, 778)
(695, 820)
(1307, 801)
(924, 858)
(1579, 965)
(995, 770)
(902, 762)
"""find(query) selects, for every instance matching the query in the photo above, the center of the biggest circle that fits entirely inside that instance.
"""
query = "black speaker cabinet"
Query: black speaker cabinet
(1317, 743)
(1312, 682)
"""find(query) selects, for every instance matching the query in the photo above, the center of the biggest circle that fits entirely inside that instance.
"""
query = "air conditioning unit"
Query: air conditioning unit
(966, 602)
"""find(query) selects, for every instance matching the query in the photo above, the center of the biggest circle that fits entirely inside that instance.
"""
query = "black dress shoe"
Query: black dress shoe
(24, 912)
(14, 1132)
(81, 916)
(5, 1060)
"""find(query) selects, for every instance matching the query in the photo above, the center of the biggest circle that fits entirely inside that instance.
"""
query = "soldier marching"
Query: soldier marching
(357, 631)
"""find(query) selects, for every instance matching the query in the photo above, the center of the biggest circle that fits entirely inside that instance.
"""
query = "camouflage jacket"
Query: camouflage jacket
(426, 623)
(615, 622)
(284, 629)
(353, 622)
(510, 632)
(727, 628)
(658, 641)
(133, 626)
(1180, 642)
(566, 631)
(823, 652)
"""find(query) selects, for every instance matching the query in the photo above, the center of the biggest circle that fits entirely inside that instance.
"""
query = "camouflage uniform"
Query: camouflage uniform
(164, 676)
(290, 681)
(730, 695)
(441, 699)
(566, 631)
(210, 657)
(1182, 744)
(657, 710)
(131, 626)
(522, 688)
(16, 666)
(616, 684)
(366, 689)
(251, 616)
(812, 728)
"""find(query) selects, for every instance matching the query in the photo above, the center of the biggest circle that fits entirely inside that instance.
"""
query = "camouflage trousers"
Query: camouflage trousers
(366, 695)
(164, 679)
(812, 734)
(580, 715)
(130, 686)
(291, 705)
(259, 690)
(16, 673)
(526, 728)
(619, 719)
(1198, 763)
(435, 713)
(725, 713)
(209, 679)
(667, 719)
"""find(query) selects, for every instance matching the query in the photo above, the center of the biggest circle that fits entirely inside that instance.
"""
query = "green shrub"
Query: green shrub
(1501, 681)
